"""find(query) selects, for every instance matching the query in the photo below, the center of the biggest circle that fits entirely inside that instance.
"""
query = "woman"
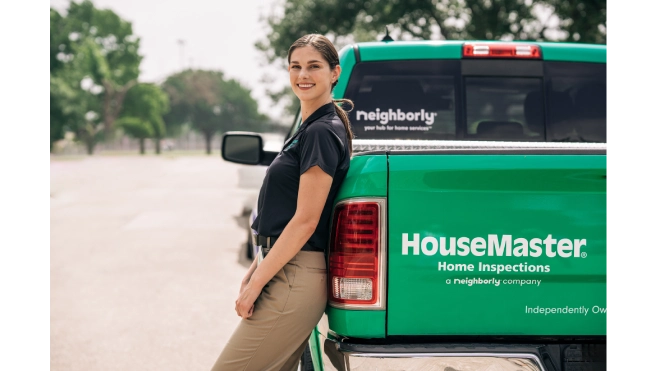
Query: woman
(283, 297)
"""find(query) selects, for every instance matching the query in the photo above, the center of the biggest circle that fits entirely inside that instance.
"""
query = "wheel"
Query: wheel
(306, 359)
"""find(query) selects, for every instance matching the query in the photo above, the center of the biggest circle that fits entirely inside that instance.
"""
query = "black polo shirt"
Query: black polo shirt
(321, 140)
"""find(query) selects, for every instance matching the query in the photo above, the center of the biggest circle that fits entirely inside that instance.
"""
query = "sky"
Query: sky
(217, 35)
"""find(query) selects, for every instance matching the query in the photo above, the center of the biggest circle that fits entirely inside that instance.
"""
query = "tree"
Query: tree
(583, 21)
(210, 103)
(94, 61)
(346, 21)
(74, 104)
(142, 115)
(63, 110)
(137, 128)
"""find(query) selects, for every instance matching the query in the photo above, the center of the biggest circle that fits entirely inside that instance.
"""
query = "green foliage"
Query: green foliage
(73, 108)
(61, 111)
(116, 43)
(94, 61)
(67, 103)
(136, 127)
(584, 21)
(210, 104)
(149, 103)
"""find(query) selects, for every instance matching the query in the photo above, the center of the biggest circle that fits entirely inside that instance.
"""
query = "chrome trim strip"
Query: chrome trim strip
(360, 145)
(381, 303)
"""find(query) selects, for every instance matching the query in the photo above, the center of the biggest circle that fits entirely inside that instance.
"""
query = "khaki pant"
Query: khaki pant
(285, 313)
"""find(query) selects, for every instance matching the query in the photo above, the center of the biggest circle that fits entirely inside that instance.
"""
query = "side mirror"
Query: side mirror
(247, 148)
(242, 148)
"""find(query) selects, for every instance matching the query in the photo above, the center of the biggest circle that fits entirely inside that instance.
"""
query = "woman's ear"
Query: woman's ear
(336, 72)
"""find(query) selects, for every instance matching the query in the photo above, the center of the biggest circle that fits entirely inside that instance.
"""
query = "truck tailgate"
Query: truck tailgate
(504, 244)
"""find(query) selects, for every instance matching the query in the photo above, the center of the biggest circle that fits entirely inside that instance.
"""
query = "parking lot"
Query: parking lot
(146, 260)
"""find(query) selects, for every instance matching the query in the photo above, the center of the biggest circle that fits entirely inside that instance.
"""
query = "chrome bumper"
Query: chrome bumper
(342, 355)
(351, 361)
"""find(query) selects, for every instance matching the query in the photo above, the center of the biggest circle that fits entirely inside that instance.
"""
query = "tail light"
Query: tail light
(501, 50)
(357, 255)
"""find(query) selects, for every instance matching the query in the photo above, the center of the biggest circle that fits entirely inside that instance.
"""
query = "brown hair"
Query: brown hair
(329, 53)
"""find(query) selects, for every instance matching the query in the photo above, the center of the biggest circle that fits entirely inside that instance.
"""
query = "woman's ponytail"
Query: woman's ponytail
(342, 113)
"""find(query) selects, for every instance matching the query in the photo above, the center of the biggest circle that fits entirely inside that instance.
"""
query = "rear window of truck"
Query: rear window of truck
(479, 100)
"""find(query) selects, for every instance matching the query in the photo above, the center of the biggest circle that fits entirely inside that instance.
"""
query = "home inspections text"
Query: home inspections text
(415, 244)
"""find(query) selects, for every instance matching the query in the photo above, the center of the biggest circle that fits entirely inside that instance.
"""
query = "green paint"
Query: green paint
(570, 52)
(367, 177)
(365, 324)
(477, 195)
(346, 62)
(406, 50)
(315, 349)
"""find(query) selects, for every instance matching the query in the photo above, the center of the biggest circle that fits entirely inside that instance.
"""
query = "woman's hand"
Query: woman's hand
(245, 282)
(243, 285)
(244, 304)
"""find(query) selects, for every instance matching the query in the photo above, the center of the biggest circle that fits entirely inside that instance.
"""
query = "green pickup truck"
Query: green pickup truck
(470, 231)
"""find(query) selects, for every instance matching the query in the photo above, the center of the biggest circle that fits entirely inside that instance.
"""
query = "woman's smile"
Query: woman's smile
(305, 86)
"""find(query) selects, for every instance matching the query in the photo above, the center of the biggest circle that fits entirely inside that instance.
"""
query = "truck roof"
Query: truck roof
(440, 49)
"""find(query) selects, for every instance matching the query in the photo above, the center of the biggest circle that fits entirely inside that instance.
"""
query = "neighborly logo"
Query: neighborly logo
(384, 117)
(292, 144)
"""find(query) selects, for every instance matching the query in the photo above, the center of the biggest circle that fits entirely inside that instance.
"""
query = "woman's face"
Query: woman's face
(310, 75)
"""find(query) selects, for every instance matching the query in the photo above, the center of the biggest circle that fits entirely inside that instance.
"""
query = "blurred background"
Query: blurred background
(149, 226)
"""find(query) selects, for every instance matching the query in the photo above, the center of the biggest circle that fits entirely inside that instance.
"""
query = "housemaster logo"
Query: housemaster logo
(493, 246)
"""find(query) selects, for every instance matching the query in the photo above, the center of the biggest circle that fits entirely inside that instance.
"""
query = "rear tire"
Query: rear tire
(306, 359)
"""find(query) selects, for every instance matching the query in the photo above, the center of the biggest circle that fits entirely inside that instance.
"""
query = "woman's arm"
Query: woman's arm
(313, 191)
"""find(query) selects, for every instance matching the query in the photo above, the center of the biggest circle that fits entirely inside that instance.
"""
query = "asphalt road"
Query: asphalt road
(146, 259)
